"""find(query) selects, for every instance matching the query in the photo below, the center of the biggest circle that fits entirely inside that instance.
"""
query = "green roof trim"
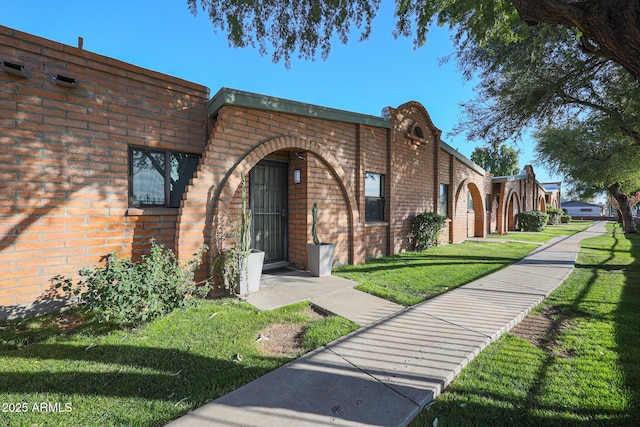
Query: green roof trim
(455, 153)
(508, 178)
(226, 96)
(512, 178)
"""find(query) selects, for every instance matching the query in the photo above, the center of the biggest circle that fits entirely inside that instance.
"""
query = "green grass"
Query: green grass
(589, 374)
(147, 376)
(549, 232)
(412, 277)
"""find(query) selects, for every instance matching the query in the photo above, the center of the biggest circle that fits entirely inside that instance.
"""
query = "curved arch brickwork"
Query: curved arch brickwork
(464, 222)
(231, 153)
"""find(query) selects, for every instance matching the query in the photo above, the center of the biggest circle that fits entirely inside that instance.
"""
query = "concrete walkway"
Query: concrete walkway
(386, 372)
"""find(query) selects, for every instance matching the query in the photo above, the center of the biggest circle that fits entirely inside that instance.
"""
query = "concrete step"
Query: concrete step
(356, 306)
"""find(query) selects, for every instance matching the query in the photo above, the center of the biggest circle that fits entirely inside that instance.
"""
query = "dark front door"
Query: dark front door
(268, 182)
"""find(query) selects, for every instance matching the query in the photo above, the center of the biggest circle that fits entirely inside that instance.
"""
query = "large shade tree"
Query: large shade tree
(593, 156)
(540, 82)
(609, 29)
(540, 79)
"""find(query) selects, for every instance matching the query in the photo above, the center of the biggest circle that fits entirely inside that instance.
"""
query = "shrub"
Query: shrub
(531, 220)
(426, 230)
(132, 292)
(554, 214)
(565, 219)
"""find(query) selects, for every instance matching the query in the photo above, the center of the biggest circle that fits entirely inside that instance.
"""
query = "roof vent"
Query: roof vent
(13, 68)
(60, 80)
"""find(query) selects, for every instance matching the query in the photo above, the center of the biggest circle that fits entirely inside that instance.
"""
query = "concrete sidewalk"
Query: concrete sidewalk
(386, 372)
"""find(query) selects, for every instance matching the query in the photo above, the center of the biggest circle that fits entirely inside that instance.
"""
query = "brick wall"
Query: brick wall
(413, 170)
(63, 158)
(333, 219)
(298, 213)
(374, 157)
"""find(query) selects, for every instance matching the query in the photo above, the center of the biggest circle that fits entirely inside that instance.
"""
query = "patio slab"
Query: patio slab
(288, 287)
(331, 294)
(357, 306)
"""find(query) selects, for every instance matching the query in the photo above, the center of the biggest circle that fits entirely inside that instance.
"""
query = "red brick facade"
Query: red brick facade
(64, 158)
(65, 165)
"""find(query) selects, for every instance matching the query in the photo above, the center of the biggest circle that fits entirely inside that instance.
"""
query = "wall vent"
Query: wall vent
(66, 81)
(13, 68)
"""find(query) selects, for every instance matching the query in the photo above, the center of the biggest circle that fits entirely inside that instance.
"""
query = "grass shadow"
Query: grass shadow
(127, 371)
(63, 325)
(627, 327)
(588, 373)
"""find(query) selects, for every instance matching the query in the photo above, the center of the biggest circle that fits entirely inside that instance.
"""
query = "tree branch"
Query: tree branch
(611, 27)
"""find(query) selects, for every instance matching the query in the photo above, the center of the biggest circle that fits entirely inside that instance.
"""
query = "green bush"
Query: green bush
(129, 292)
(565, 219)
(554, 214)
(426, 230)
(531, 220)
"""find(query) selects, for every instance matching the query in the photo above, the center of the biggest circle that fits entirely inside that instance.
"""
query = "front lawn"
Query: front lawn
(90, 374)
(549, 232)
(575, 361)
(412, 277)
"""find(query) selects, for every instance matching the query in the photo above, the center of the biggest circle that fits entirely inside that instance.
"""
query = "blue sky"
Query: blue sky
(363, 77)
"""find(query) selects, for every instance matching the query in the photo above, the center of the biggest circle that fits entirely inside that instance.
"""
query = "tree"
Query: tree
(609, 29)
(634, 199)
(540, 82)
(541, 79)
(593, 158)
(606, 29)
(499, 159)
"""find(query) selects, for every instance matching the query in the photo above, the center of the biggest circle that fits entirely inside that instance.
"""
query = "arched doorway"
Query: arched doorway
(475, 211)
(512, 209)
(203, 218)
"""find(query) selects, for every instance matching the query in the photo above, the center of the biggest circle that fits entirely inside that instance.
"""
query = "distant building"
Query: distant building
(578, 208)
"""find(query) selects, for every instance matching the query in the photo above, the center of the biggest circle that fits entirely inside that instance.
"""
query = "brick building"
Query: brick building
(97, 155)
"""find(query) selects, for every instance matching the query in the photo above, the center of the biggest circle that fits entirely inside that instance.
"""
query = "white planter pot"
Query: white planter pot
(250, 272)
(320, 258)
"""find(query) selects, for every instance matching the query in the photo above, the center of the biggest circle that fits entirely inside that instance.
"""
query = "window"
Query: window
(374, 196)
(488, 203)
(150, 185)
(469, 201)
(443, 203)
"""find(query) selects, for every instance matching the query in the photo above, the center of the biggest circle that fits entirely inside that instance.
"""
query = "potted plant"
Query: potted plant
(319, 255)
(240, 267)
(250, 260)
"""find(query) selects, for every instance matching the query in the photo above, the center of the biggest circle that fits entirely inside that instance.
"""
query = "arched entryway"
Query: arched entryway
(219, 208)
(470, 210)
(475, 211)
(513, 208)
